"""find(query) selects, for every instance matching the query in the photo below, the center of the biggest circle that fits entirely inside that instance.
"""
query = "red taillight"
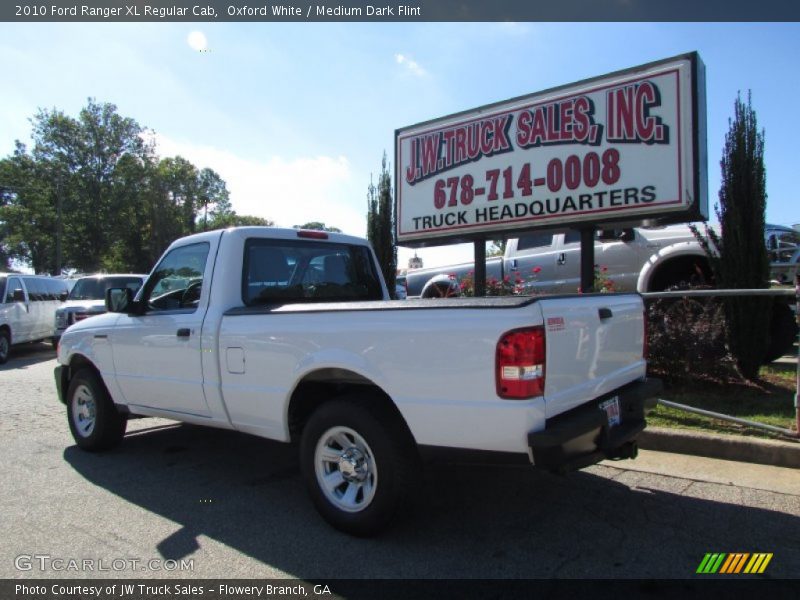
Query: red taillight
(80, 316)
(520, 364)
(312, 234)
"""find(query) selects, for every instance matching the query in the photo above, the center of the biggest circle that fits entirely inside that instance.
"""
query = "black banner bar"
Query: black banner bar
(402, 11)
(701, 588)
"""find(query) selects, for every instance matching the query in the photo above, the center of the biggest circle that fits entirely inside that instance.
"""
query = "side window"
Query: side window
(534, 240)
(572, 236)
(605, 236)
(13, 284)
(56, 288)
(35, 287)
(177, 281)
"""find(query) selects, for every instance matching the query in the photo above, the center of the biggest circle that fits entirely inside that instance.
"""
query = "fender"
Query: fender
(665, 254)
(84, 346)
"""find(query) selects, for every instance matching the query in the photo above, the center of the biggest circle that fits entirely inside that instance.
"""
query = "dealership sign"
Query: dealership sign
(628, 147)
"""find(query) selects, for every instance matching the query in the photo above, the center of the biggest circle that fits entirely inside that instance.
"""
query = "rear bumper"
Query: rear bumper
(583, 437)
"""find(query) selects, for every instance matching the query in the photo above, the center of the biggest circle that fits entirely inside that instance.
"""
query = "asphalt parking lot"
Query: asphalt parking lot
(229, 505)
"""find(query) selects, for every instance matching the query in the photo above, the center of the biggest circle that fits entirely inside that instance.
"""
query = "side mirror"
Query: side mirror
(627, 235)
(62, 297)
(120, 300)
(18, 295)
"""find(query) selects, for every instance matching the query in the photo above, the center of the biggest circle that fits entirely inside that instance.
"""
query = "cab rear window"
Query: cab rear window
(286, 271)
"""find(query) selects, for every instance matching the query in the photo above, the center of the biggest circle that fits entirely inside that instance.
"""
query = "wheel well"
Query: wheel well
(7, 329)
(76, 363)
(691, 269)
(325, 385)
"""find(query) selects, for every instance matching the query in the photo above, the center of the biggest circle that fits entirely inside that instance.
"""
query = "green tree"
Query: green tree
(28, 211)
(496, 248)
(380, 225)
(742, 260)
(83, 155)
(92, 193)
(231, 219)
(213, 193)
(318, 226)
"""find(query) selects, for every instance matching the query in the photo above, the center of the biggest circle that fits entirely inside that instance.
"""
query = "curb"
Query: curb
(727, 447)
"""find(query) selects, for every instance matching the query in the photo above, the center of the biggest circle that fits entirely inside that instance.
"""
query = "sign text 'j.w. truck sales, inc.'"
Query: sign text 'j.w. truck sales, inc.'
(626, 147)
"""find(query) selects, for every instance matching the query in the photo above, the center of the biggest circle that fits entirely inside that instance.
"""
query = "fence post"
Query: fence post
(797, 388)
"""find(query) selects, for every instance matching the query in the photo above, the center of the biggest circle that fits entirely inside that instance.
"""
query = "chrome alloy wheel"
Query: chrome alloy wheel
(84, 410)
(345, 469)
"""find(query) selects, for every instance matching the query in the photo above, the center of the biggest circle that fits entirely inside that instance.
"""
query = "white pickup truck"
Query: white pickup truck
(290, 335)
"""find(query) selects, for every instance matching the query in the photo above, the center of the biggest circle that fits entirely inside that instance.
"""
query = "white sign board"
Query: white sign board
(625, 147)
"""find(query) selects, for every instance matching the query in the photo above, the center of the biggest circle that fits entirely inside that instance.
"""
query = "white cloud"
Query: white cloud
(287, 191)
(410, 64)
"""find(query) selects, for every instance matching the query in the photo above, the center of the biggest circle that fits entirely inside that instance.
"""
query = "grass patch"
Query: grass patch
(769, 400)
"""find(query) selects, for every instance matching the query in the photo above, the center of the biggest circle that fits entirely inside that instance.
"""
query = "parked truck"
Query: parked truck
(636, 259)
(290, 335)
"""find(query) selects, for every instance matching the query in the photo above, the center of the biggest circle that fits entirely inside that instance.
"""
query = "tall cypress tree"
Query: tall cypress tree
(380, 225)
(743, 261)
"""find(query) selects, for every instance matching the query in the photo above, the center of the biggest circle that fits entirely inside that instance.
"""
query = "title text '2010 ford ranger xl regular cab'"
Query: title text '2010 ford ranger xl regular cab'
(290, 335)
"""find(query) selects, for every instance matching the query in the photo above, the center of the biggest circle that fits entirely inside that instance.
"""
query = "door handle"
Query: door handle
(605, 313)
(184, 332)
(562, 259)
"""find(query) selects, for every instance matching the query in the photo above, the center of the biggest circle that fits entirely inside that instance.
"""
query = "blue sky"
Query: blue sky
(295, 117)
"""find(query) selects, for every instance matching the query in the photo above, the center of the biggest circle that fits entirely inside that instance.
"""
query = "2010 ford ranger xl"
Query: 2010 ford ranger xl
(290, 335)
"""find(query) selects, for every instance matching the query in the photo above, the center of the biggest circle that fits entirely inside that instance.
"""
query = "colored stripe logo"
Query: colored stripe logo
(734, 563)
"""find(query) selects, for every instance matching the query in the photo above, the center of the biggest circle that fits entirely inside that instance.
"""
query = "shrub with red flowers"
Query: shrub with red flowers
(510, 285)
(602, 282)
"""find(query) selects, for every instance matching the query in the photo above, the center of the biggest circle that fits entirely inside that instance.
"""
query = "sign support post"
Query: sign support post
(587, 259)
(479, 281)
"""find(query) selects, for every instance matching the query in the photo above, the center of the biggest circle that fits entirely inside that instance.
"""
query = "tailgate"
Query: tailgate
(594, 345)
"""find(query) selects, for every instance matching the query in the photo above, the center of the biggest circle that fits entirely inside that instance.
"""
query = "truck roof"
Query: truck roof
(274, 233)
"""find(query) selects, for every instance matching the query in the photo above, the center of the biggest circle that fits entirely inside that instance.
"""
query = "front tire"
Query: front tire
(93, 419)
(5, 346)
(359, 463)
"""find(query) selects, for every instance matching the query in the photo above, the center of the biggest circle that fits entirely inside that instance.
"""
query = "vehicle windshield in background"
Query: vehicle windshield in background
(94, 288)
(304, 271)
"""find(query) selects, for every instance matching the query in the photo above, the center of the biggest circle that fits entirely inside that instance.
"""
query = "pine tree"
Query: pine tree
(380, 225)
(743, 261)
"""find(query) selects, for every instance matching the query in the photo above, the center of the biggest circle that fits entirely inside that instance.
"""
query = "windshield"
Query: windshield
(94, 288)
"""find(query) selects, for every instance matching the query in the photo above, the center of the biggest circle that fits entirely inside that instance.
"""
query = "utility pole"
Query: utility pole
(59, 202)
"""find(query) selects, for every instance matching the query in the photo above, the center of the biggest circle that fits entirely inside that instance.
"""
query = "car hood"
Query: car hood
(96, 322)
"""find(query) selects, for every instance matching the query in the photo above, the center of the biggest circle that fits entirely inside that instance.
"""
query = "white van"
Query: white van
(28, 306)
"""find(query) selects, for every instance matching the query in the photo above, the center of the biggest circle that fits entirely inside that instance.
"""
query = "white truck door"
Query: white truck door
(18, 312)
(157, 355)
(534, 261)
(615, 249)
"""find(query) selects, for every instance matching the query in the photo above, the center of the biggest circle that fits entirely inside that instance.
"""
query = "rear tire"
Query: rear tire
(359, 463)
(5, 346)
(94, 421)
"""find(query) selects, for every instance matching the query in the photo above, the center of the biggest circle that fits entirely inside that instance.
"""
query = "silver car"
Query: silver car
(87, 297)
